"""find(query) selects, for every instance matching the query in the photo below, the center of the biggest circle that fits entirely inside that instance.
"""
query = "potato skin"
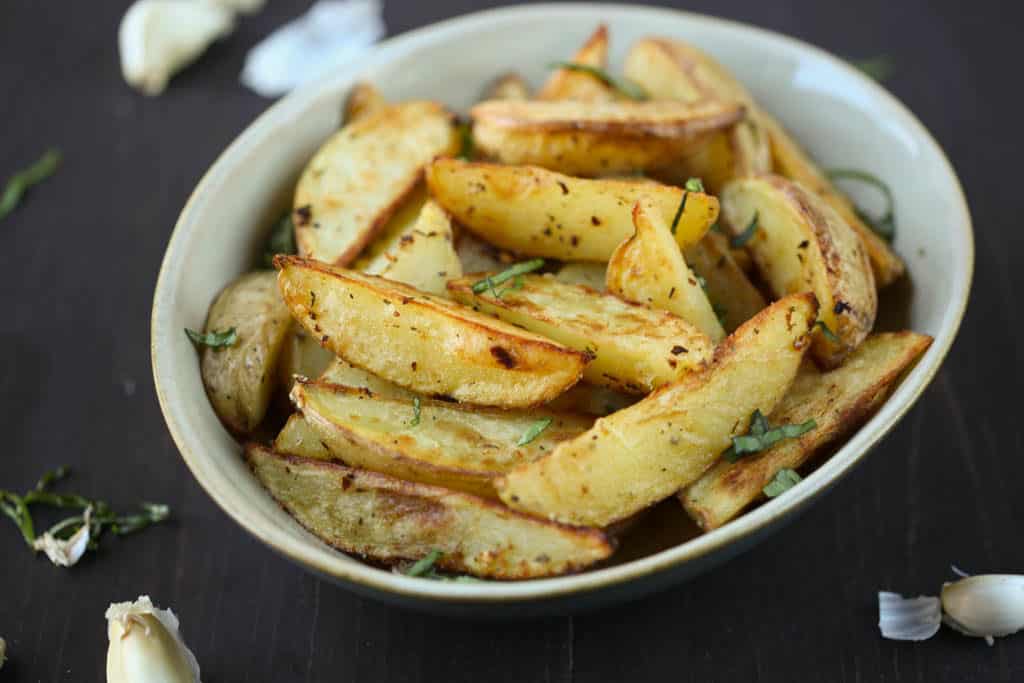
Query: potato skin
(240, 379)
(729, 289)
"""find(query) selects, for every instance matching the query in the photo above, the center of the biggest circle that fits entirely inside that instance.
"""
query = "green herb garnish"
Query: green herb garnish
(534, 431)
(214, 339)
(783, 480)
(695, 185)
(281, 240)
(679, 212)
(21, 181)
(827, 333)
(515, 271)
(415, 412)
(467, 147)
(424, 564)
(878, 68)
(884, 225)
(739, 240)
(762, 435)
(624, 86)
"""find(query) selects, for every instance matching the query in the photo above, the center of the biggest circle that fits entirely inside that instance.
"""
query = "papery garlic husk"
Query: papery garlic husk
(985, 606)
(146, 646)
(66, 553)
(158, 38)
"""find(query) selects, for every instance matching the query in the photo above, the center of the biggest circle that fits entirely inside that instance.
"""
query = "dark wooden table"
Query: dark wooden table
(77, 270)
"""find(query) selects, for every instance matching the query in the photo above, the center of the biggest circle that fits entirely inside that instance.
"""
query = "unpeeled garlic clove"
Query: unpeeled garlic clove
(985, 606)
(146, 646)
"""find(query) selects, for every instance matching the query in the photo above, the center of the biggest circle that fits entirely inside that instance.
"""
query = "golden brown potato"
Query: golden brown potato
(568, 84)
(361, 175)
(649, 269)
(532, 211)
(640, 455)
(301, 355)
(800, 244)
(508, 86)
(596, 138)
(433, 442)
(343, 372)
(425, 258)
(475, 254)
(734, 298)
(838, 401)
(388, 520)
(583, 273)
(363, 99)
(633, 348)
(241, 378)
(298, 437)
(378, 253)
(423, 342)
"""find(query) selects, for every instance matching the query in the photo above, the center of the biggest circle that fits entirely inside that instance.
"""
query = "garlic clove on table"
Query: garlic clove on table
(985, 606)
(145, 645)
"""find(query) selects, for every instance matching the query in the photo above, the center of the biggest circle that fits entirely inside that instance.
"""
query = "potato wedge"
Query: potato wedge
(633, 348)
(733, 297)
(507, 86)
(596, 138)
(301, 355)
(792, 162)
(537, 212)
(425, 258)
(360, 176)
(387, 520)
(584, 398)
(475, 254)
(567, 84)
(240, 379)
(423, 342)
(801, 244)
(377, 254)
(438, 442)
(839, 401)
(582, 273)
(640, 455)
(649, 269)
(363, 99)
(298, 437)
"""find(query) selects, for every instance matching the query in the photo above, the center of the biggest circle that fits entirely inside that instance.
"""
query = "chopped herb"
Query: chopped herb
(783, 480)
(281, 240)
(884, 225)
(626, 87)
(467, 147)
(739, 240)
(878, 68)
(516, 270)
(534, 431)
(827, 333)
(215, 339)
(425, 564)
(21, 181)
(762, 435)
(415, 412)
(695, 185)
(679, 212)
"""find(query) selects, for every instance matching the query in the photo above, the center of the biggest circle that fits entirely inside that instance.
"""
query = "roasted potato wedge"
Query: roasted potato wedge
(360, 176)
(633, 348)
(533, 211)
(301, 355)
(649, 269)
(640, 455)
(363, 99)
(475, 254)
(241, 379)
(596, 138)
(425, 258)
(378, 253)
(583, 273)
(389, 520)
(433, 442)
(801, 244)
(838, 401)
(423, 342)
(508, 86)
(298, 437)
(733, 297)
(568, 84)
(343, 372)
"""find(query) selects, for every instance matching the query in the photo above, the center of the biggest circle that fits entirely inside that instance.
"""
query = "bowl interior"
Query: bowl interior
(844, 119)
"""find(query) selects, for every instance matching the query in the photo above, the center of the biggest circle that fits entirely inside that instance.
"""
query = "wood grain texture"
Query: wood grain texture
(944, 488)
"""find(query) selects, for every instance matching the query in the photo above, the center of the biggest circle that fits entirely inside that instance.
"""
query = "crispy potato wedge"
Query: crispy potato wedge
(596, 138)
(640, 455)
(567, 84)
(633, 348)
(388, 520)
(802, 244)
(360, 176)
(839, 401)
(363, 99)
(298, 437)
(507, 86)
(301, 355)
(343, 372)
(733, 296)
(425, 258)
(583, 273)
(378, 253)
(438, 442)
(648, 268)
(533, 211)
(475, 254)
(423, 342)
(792, 162)
(241, 379)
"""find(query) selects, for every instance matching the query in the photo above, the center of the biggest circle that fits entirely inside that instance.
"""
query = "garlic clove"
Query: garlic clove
(985, 606)
(157, 38)
(145, 645)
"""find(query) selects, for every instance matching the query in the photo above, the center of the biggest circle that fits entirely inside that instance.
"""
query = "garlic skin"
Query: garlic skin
(66, 553)
(145, 645)
(157, 38)
(985, 606)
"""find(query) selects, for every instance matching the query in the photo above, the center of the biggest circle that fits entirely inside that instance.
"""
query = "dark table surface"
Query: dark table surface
(77, 270)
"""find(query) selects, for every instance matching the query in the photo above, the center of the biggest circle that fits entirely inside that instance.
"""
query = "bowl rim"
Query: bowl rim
(318, 557)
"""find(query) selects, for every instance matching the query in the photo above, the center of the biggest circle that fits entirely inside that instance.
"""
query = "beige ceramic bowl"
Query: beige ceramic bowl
(844, 118)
